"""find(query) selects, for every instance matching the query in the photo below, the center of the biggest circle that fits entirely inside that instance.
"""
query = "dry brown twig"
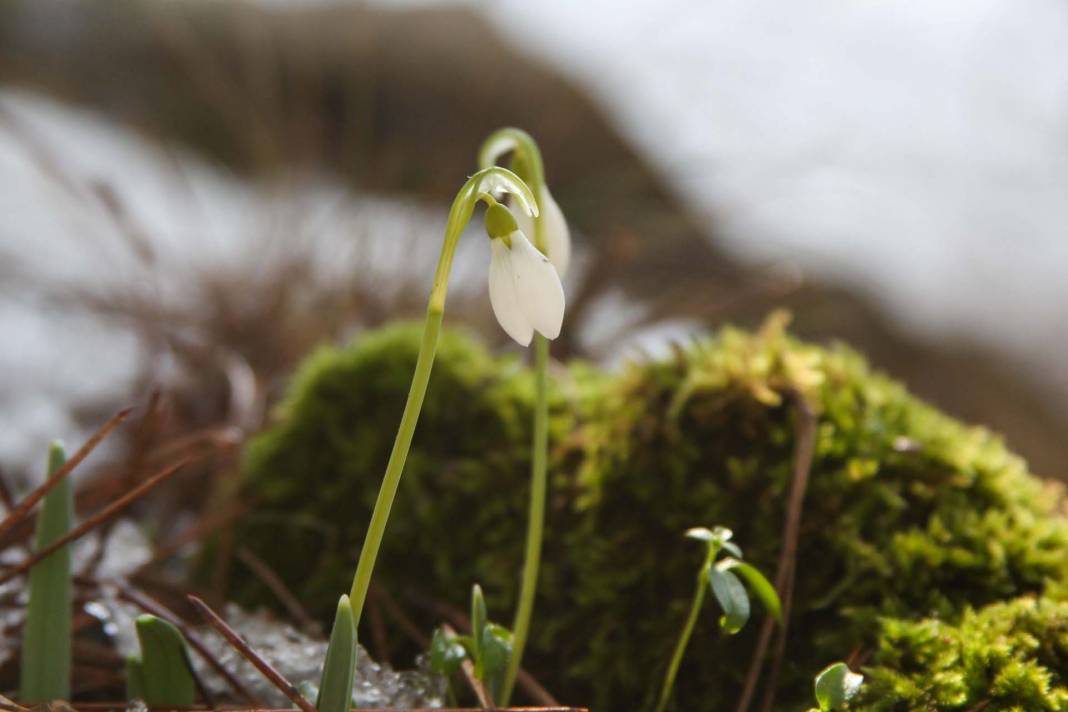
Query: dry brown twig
(284, 686)
(23, 509)
(94, 521)
(804, 450)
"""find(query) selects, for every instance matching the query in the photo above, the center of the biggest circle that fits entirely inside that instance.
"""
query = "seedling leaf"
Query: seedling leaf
(166, 679)
(732, 598)
(46, 649)
(339, 668)
(836, 685)
(760, 585)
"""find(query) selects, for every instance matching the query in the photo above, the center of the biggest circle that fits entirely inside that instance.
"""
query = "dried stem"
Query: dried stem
(804, 450)
(277, 586)
(23, 509)
(94, 521)
(284, 686)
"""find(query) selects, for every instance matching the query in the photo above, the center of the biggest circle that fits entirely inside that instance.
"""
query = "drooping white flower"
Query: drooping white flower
(524, 288)
(557, 234)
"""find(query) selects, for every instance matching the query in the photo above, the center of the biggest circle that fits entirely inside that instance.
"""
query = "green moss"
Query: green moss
(463, 497)
(909, 515)
(1005, 656)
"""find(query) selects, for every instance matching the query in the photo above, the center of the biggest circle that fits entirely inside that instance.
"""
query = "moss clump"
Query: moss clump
(460, 513)
(1005, 656)
(909, 514)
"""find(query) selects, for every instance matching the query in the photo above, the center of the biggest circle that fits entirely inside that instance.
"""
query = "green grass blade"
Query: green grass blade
(135, 680)
(339, 668)
(46, 647)
(166, 678)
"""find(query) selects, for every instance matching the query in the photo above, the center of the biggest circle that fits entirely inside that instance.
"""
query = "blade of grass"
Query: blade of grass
(46, 647)
(339, 667)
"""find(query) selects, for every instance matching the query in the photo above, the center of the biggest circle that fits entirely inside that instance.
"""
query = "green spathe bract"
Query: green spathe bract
(339, 667)
(909, 514)
(46, 641)
(162, 677)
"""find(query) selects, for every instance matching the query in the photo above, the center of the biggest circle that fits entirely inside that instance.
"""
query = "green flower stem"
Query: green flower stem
(528, 164)
(485, 181)
(687, 631)
(384, 503)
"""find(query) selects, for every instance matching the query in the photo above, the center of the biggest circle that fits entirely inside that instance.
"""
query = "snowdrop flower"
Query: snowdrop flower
(557, 236)
(524, 287)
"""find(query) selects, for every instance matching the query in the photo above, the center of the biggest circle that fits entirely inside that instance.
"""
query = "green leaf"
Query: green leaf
(478, 624)
(446, 653)
(339, 668)
(760, 585)
(46, 651)
(135, 680)
(733, 548)
(732, 598)
(700, 534)
(496, 651)
(166, 676)
(836, 685)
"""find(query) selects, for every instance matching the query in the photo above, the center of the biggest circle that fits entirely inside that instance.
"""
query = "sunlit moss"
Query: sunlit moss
(910, 515)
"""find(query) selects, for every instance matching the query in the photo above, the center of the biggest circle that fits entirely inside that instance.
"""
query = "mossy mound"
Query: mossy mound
(463, 497)
(909, 514)
(1005, 656)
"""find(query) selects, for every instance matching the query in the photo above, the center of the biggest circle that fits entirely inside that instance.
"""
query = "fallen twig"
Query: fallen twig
(94, 521)
(284, 686)
(23, 508)
(804, 449)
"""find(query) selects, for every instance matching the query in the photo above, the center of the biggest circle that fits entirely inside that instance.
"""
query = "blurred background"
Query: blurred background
(196, 193)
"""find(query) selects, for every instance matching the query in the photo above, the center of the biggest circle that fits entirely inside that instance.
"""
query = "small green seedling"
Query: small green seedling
(339, 668)
(722, 578)
(162, 676)
(835, 686)
(489, 647)
(46, 646)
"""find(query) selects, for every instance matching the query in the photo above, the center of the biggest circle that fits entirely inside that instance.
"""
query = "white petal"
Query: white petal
(503, 296)
(541, 296)
(557, 234)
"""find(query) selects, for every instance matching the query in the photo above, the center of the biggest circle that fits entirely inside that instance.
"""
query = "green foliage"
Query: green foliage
(162, 677)
(835, 686)
(1006, 656)
(46, 640)
(489, 647)
(467, 477)
(909, 513)
(339, 668)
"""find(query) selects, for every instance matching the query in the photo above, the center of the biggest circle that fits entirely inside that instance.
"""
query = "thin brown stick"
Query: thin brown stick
(378, 628)
(195, 533)
(150, 605)
(483, 695)
(284, 686)
(276, 585)
(804, 450)
(399, 617)
(23, 509)
(94, 521)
